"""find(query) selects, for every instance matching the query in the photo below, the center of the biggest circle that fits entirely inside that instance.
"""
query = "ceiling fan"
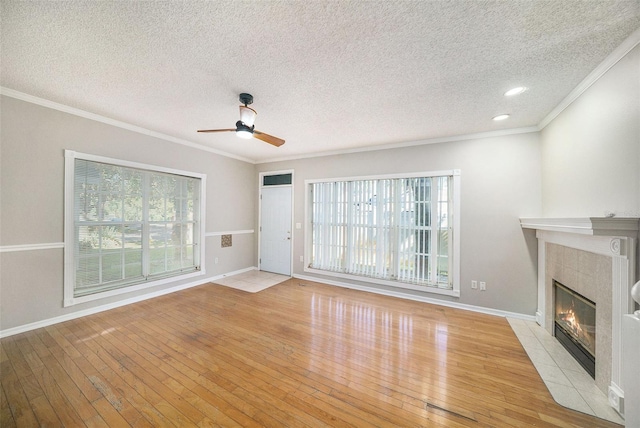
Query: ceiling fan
(245, 127)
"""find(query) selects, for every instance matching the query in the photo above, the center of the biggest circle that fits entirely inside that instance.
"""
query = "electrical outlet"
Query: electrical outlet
(302, 258)
(216, 261)
(474, 284)
(483, 286)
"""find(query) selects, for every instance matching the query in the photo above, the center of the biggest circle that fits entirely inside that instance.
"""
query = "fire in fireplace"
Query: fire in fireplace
(575, 326)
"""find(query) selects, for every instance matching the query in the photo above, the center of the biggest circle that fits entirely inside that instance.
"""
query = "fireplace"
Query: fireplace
(598, 257)
(575, 325)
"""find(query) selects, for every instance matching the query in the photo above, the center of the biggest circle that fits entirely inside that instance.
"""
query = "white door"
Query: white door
(275, 230)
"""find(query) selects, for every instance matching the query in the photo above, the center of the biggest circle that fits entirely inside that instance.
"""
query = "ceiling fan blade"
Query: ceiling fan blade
(268, 138)
(216, 130)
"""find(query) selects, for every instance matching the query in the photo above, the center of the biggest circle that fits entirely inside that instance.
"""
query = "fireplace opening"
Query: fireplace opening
(575, 326)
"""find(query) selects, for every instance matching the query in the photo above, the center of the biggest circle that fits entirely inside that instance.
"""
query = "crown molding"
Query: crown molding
(620, 52)
(98, 118)
(477, 136)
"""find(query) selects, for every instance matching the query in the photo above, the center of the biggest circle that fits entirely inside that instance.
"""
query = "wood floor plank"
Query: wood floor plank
(299, 354)
(124, 351)
(64, 408)
(119, 396)
(17, 400)
(60, 390)
(125, 392)
(46, 414)
(6, 418)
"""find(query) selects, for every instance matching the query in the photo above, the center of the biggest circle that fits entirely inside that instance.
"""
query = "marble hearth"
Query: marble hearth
(598, 258)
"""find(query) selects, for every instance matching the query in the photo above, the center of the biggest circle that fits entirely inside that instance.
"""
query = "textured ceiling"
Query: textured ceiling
(326, 75)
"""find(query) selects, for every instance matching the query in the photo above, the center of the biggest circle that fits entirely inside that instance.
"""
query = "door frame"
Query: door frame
(260, 187)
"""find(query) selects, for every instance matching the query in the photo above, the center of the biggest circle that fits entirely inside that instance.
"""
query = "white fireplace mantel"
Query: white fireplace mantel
(609, 236)
(594, 226)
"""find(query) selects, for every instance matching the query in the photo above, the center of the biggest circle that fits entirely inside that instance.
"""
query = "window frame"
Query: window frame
(69, 228)
(454, 266)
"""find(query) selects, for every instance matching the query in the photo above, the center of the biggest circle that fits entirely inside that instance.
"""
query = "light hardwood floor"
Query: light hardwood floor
(296, 354)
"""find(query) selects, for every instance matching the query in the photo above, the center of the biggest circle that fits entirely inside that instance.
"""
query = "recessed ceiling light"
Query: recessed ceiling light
(501, 117)
(515, 91)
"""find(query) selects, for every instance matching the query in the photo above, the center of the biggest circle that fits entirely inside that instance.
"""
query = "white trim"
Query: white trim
(31, 247)
(457, 230)
(631, 42)
(69, 269)
(235, 272)
(229, 232)
(451, 172)
(464, 137)
(204, 281)
(70, 301)
(386, 282)
(98, 118)
(542, 284)
(291, 226)
(456, 266)
(280, 172)
(423, 299)
(102, 308)
(595, 226)
(621, 248)
(129, 164)
(203, 222)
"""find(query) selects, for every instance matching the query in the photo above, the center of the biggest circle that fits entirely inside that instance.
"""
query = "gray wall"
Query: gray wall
(32, 143)
(586, 162)
(591, 151)
(500, 182)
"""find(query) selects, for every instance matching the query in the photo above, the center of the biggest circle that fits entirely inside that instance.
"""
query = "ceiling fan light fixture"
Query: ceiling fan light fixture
(244, 134)
(244, 131)
(245, 127)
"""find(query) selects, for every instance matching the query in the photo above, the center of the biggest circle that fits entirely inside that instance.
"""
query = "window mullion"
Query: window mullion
(326, 214)
(347, 188)
(122, 225)
(435, 231)
(146, 193)
(197, 222)
(381, 237)
(397, 220)
(450, 230)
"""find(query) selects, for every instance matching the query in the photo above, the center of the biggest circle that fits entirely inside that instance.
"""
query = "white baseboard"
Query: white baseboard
(400, 294)
(67, 317)
(82, 313)
(237, 272)
(539, 318)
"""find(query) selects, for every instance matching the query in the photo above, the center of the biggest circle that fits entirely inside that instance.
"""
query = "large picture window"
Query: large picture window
(128, 225)
(394, 230)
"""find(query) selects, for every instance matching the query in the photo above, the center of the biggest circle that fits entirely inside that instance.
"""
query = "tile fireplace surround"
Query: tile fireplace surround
(597, 257)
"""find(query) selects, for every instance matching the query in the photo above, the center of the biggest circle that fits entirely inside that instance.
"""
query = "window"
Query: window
(392, 230)
(128, 225)
(277, 179)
